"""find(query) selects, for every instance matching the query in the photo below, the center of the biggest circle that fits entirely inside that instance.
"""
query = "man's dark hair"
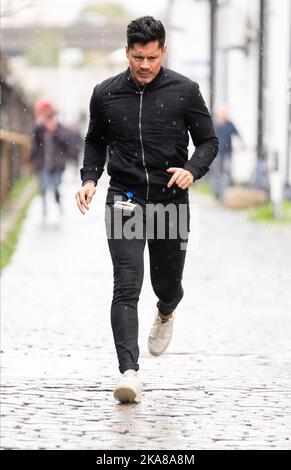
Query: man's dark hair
(144, 30)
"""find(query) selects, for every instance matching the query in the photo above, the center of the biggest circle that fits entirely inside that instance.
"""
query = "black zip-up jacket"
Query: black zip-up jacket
(145, 131)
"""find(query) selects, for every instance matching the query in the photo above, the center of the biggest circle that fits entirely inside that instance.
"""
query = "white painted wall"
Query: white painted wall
(277, 99)
(188, 42)
(237, 77)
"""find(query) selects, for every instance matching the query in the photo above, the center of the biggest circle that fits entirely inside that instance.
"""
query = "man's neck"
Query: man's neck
(140, 84)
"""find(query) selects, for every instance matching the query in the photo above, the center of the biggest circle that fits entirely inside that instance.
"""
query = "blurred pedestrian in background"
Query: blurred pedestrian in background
(220, 172)
(48, 152)
(76, 144)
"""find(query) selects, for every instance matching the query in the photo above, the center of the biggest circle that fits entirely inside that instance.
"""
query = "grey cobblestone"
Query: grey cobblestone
(224, 382)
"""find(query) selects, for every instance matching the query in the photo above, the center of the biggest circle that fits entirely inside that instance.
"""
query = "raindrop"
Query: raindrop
(162, 105)
(174, 191)
(108, 120)
(124, 118)
(174, 123)
(182, 99)
(163, 190)
(109, 93)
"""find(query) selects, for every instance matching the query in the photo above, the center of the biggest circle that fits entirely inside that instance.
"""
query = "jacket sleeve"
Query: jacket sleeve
(33, 146)
(202, 132)
(61, 135)
(95, 142)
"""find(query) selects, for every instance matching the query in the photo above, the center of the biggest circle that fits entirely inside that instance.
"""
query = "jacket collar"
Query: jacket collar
(152, 84)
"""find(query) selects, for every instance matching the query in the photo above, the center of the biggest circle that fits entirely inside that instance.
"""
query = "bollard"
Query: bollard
(276, 189)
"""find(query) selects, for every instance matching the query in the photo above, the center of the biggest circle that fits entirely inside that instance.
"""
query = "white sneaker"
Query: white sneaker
(160, 335)
(128, 389)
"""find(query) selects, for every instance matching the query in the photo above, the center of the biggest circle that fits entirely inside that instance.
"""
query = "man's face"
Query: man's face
(145, 61)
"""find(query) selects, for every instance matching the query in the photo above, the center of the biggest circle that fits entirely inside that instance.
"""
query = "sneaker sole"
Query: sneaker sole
(155, 353)
(125, 395)
(158, 353)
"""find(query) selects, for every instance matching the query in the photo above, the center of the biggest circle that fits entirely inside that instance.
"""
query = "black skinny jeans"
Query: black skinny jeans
(167, 257)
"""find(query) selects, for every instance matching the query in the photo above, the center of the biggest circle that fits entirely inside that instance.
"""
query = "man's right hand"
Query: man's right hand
(84, 196)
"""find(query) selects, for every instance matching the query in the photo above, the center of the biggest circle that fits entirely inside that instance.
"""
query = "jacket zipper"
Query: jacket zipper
(141, 142)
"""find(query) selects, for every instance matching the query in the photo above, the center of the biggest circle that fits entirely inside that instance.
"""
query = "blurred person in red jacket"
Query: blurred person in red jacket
(48, 152)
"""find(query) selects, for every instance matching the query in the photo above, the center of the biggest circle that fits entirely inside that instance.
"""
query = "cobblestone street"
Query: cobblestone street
(224, 382)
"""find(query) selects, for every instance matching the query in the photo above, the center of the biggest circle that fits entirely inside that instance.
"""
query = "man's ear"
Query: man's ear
(165, 51)
(127, 51)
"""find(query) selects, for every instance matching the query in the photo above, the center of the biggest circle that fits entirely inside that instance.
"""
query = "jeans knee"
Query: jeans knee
(168, 291)
(126, 291)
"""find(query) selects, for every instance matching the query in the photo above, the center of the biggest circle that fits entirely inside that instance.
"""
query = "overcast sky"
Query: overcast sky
(68, 9)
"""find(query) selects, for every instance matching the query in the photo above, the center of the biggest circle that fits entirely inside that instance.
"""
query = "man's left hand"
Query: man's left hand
(182, 178)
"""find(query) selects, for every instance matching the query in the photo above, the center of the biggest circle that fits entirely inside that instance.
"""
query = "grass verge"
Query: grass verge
(16, 194)
(264, 214)
(202, 187)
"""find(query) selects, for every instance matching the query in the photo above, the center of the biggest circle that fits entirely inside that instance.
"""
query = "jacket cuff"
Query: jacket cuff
(87, 181)
(194, 172)
(91, 173)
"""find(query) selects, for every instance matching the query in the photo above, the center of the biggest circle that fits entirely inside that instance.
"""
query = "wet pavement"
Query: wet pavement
(225, 381)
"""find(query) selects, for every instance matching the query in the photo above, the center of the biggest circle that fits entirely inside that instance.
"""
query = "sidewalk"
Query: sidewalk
(224, 382)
